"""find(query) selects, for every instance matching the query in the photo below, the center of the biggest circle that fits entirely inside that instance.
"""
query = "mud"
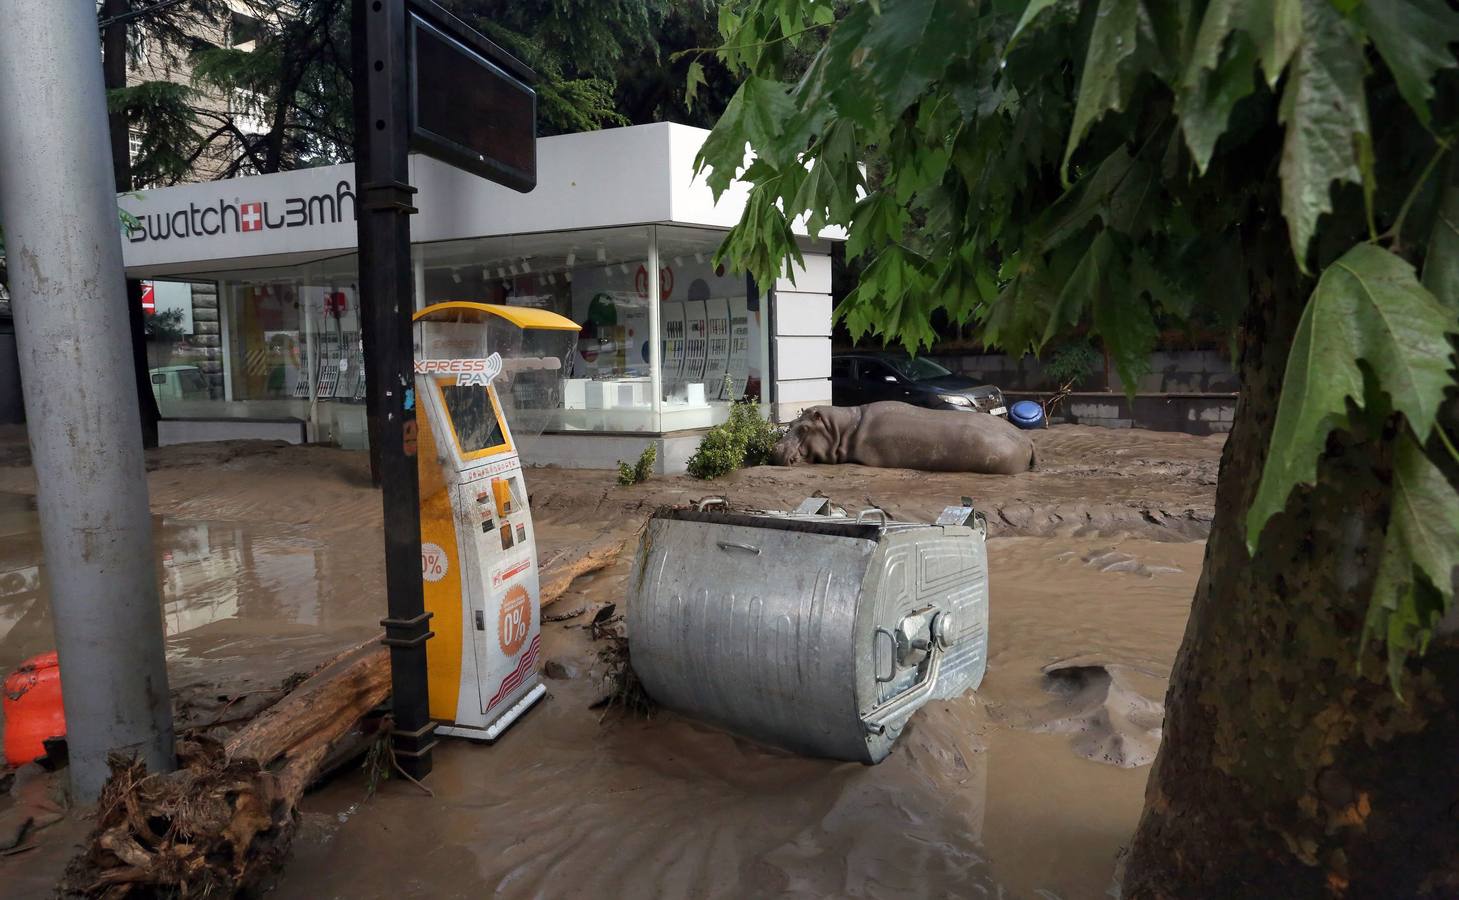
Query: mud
(268, 557)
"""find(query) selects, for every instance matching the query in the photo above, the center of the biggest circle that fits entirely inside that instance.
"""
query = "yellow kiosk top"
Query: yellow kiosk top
(520, 316)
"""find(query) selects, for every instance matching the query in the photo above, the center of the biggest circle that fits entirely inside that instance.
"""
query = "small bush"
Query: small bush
(1071, 363)
(744, 439)
(639, 472)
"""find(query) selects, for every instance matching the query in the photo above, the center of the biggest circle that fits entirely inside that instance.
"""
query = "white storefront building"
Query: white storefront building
(260, 273)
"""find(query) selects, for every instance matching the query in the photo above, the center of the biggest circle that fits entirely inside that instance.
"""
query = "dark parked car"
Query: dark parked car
(858, 378)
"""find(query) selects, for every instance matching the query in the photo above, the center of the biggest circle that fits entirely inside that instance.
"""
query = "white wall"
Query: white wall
(589, 180)
(598, 179)
(692, 200)
(802, 340)
(175, 221)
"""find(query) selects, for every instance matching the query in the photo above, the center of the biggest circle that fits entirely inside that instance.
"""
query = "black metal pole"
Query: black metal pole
(381, 80)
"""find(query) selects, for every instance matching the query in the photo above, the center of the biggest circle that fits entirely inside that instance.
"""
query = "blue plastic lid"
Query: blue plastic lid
(1027, 410)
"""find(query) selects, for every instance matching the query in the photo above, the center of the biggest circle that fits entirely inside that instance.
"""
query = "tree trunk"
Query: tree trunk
(114, 73)
(1285, 771)
(223, 822)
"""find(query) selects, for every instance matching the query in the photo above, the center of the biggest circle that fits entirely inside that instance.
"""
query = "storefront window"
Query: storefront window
(183, 355)
(285, 343)
(596, 278)
(711, 337)
(263, 344)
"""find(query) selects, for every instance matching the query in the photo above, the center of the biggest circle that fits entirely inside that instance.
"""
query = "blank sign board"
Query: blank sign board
(470, 103)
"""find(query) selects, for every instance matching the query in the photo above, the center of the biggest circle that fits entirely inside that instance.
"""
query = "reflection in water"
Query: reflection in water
(218, 580)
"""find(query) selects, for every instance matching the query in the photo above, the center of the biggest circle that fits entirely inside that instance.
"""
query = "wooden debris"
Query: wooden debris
(223, 822)
(622, 689)
(557, 579)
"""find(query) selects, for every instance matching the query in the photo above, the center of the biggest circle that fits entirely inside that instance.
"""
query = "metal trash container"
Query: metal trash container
(809, 630)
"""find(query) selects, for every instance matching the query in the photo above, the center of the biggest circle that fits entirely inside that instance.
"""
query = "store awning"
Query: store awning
(521, 316)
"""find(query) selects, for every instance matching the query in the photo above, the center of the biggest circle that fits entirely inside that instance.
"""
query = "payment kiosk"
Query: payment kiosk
(480, 369)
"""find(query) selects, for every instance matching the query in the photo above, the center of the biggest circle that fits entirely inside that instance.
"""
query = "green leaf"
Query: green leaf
(754, 114)
(1086, 200)
(828, 193)
(1106, 81)
(692, 82)
(1441, 259)
(1123, 321)
(1422, 540)
(1277, 45)
(1368, 307)
(1015, 319)
(1088, 280)
(1030, 13)
(1326, 117)
(1413, 37)
(1222, 70)
(908, 46)
(1147, 278)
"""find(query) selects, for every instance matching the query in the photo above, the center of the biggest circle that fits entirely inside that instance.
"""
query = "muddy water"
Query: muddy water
(1011, 792)
(242, 604)
(269, 561)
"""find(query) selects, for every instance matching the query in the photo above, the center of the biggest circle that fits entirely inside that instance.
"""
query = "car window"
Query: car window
(840, 368)
(159, 379)
(874, 370)
(918, 369)
(192, 381)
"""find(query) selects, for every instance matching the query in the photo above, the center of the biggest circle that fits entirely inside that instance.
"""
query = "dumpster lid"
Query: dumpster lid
(521, 316)
(837, 526)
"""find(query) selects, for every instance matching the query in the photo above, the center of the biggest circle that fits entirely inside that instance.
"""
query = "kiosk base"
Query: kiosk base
(490, 733)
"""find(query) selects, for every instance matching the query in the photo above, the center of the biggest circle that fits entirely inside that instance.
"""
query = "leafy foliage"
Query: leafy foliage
(271, 85)
(744, 439)
(1409, 595)
(640, 471)
(1071, 362)
(1369, 311)
(165, 325)
(1036, 166)
(165, 155)
(606, 62)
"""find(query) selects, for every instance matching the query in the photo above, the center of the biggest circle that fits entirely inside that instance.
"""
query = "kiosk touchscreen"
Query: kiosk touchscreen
(480, 369)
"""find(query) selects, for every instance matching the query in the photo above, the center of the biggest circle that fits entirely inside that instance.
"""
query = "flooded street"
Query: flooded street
(268, 557)
(259, 602)
(991, 795)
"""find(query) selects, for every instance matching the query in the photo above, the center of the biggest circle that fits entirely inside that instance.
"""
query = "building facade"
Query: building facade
(256, 279)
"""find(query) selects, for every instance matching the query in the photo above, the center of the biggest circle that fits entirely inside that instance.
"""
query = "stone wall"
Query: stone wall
(1171, 371)
(207, 334)
(1192, 413)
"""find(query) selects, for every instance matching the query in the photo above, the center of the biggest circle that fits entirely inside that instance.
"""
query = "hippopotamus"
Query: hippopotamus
(898, 435)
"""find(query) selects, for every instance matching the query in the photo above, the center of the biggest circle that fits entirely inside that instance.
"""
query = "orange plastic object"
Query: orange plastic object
(33, 712)
(503, 491)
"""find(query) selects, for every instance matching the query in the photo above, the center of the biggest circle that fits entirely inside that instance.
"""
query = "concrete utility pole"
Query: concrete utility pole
(63, 240)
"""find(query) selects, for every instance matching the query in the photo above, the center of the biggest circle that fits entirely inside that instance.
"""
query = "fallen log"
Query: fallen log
(223, 822)
(557, 578)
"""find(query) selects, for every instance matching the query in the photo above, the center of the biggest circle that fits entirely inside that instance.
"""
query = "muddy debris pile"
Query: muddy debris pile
(223, 822)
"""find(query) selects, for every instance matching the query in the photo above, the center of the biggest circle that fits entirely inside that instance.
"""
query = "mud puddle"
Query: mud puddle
(1030, 788)
(242, 604)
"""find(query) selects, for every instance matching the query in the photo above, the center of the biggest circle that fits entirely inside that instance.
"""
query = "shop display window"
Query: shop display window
(285, 342)
(711, 337)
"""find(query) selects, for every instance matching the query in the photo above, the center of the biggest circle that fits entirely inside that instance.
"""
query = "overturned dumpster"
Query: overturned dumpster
(811, 630)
